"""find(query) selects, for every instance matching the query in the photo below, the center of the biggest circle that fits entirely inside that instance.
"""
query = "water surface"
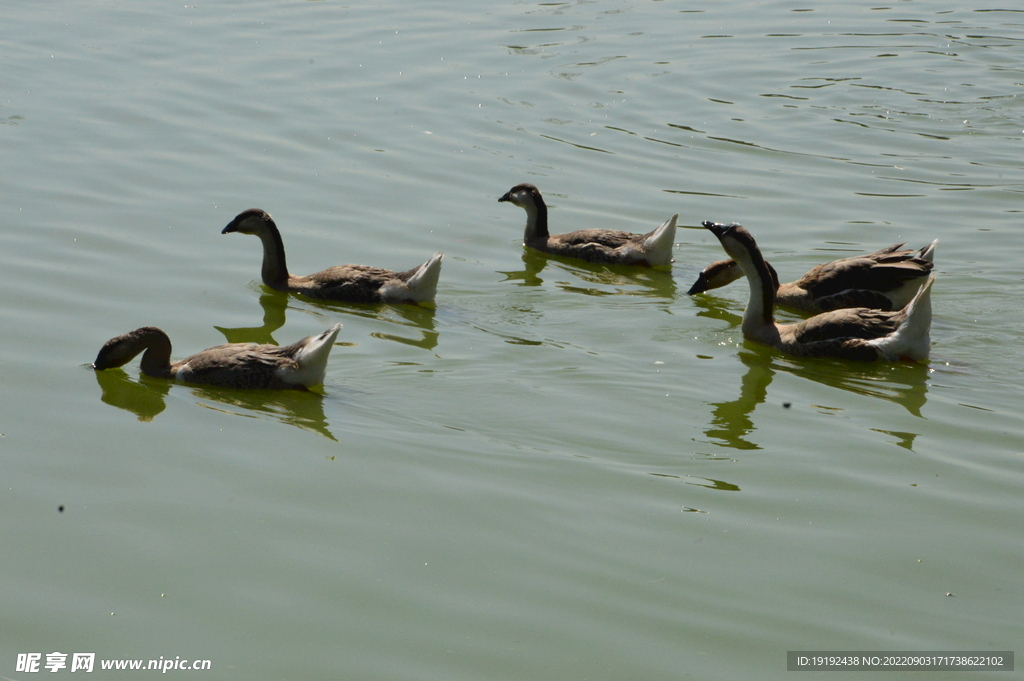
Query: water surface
(562, 471)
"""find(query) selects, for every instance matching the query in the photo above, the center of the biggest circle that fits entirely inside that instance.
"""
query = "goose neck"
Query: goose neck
(274, 271)
(761, 306)
(536, 221)
(156, 360)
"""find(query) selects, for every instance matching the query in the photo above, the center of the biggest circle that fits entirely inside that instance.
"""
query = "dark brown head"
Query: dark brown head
(736, 241)
(723, 273)
(716, 275)
(122, 349)
(742, 248)
(251, 221)
(523, 195)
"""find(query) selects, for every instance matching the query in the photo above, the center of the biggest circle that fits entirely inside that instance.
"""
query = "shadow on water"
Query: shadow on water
(533, 263)
(902, 383)
(707, 483)
(721, 309)
(146, 398)
(731, 421)
(275, 304)
(614, 280)
(732, 424)
(143, 400)
(413, 317)
(300, 408)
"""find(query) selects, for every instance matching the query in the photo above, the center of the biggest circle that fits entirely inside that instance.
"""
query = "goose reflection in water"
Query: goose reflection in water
(732, 424)
(275, 305)
(731, 421)
(625, 280)
(146, 398)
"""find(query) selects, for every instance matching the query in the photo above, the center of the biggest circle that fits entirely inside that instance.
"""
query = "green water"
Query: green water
(563, 471)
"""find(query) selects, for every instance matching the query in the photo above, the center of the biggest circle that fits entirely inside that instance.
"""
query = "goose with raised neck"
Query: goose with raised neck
(346, 283)
(302, 364)
(884, 280)
(849, 333)
(607, 246)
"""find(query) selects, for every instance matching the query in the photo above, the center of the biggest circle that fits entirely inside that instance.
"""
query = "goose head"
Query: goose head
(524, 195)
(739, 244)
(716, 275)
(114, 353)
(723, 273)
(528, 197)
(122, 349)
(251, 221)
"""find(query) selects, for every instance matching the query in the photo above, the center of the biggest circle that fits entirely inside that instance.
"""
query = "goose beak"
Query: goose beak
(716, 228)
(232, 227)
(505, 197)
(699, 286)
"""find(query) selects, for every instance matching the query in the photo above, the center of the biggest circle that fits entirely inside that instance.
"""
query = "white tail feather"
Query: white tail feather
(928, 252)
(912, 340)
(312, 359)
(420, 288)
(658, 246)
(906, 292)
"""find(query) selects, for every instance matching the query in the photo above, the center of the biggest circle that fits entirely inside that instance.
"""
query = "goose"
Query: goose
(850, 333)
(348, 283)
(234, 365)
(607, 246)
(884, 280)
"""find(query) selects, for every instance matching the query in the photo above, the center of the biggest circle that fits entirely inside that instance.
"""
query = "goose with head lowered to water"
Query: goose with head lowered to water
(884, 280)
(346, 283)
(607, 246)
(850, 333)
(235, 365)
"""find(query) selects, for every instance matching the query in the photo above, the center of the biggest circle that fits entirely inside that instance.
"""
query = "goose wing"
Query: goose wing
(240, 365)
(843, 334)
(882, 271)
(353, 283)
(858, 322)
(840, 348)
(604, 238)
(594, 245)
(854, 298)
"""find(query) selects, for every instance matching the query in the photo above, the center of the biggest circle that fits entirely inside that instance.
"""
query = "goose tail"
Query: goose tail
(311, 358)
(657, 246)
(928, 252)
(912, 339)
(420, 287)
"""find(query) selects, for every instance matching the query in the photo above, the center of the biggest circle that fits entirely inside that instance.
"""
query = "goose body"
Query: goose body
(887, 279)
(234, 365)
(348, 283)
(607, 246)
(851, 333)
